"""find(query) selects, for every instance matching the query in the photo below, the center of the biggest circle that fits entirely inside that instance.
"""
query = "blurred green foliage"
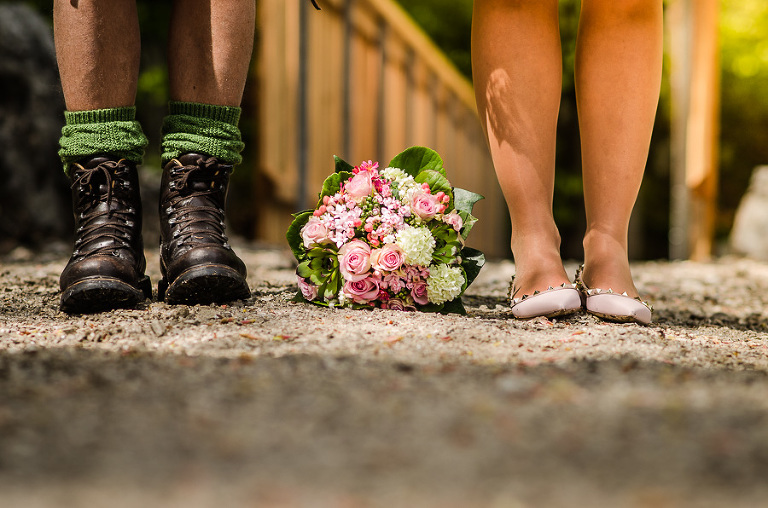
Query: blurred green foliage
(449, 24)
(744, 127)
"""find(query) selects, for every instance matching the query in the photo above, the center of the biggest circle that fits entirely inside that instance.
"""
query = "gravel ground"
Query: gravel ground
(273, 403)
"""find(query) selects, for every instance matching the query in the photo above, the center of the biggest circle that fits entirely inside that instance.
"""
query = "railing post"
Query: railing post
(302, 137)
(693, 32)
(347, 96)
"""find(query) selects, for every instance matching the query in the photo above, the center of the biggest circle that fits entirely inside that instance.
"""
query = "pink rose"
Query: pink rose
(314, 232)
(425, 205)
(359, 186)
(453, 219)
(400, 304)
(389, 258)
(419, 293)
(362, 291)
(355, 260)
(308, 291)
(395, 304)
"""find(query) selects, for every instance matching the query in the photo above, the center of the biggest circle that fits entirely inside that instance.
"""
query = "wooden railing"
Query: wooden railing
(360, 80)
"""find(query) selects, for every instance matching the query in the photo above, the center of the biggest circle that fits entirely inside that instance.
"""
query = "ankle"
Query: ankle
(606, 263)
(599, 244)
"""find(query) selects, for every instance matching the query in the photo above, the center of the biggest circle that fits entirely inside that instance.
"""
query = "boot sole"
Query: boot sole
(205, 285)
(102, 294)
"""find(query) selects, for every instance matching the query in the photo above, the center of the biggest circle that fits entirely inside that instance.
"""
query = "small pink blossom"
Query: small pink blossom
(454, 220)
(362, 291)
(419, 293)
(425, 205)
(355, 260)
(359, 186)
(394, 282)
(389, 258)
(314, 232)
(416, 272)
(308, 291)
(367, 167)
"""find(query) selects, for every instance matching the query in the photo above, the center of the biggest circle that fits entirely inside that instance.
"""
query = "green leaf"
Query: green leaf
(443, 232)
(293, 235)
(468, 222)
(304, 271)
(455, 306)
(472, 261)
(342, 165)
(437, 183)
(465, 200)
(431, 307)
(416, 159)
(438, 259)
(330, 291)
(298, 298)
(332, 185)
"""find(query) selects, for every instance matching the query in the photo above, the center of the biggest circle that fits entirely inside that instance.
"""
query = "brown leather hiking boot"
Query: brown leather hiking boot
(106, 270)
(197, 262)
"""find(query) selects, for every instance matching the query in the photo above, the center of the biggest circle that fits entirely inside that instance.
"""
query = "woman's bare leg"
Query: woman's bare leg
(517, 68)
(618, 75)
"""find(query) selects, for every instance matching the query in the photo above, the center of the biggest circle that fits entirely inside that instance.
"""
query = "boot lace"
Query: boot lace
(97, 225)
(188, 228)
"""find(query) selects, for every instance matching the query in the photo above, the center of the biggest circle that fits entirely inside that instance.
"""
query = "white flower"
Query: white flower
(444, 283)
(405, 185)
(394, 174)
(407, 189)
(417, 244)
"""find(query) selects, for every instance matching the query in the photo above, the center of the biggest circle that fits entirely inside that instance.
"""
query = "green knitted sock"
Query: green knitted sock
(113, 131)
(212, 130)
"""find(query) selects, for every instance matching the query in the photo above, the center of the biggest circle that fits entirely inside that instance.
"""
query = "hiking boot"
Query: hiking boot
(106, 270)
(196, 260)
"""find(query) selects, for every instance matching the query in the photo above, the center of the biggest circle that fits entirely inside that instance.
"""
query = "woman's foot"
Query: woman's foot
(606, 265)
(606, 282)
(537, 265)
(541, 286)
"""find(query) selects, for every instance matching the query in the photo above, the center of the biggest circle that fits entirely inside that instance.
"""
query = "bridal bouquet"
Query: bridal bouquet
(391, 238)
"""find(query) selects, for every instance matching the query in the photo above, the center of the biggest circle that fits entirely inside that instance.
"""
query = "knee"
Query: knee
(622, 11)
(518, 6)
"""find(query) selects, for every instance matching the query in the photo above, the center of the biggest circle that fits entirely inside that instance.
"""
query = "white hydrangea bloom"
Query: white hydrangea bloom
(417, 244)
(405, 185)
(407, 188)
(394, 174)
(444, 283)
